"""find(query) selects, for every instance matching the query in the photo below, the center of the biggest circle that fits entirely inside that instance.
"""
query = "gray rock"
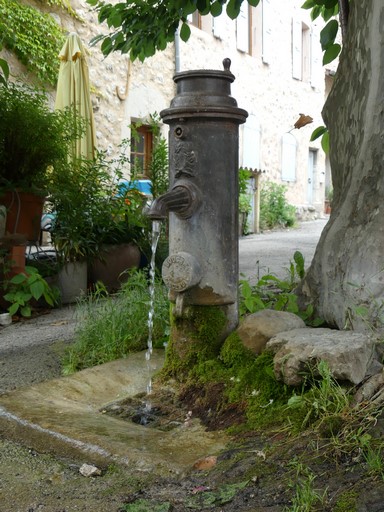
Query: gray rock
(348, 354)
(89, 470)
(256, 329)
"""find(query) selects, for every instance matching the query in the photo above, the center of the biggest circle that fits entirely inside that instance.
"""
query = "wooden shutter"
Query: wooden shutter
(242, 28)
(267, 31)
(297, 48)
(288, 157)
(251, 143)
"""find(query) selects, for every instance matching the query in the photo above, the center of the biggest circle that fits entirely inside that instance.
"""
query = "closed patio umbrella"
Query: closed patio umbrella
(73, 91)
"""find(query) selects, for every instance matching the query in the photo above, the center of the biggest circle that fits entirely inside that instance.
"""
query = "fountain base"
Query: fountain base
(65, 417)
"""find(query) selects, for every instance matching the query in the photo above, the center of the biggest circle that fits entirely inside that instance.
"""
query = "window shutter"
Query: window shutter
(251, 143)
(288, 157)
(242, 28)
(267, 31)
(296, 48)
(317, 70)
(218, 25)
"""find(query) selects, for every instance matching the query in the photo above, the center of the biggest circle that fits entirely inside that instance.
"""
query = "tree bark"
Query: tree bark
(345, 281)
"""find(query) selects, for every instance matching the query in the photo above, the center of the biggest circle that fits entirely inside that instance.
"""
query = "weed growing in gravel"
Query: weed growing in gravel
(306, 497)
(111, 326)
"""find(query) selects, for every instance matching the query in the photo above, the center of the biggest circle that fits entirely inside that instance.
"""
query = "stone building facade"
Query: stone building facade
(276, 59)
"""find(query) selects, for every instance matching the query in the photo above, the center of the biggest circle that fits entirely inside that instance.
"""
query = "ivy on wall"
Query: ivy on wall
(34, 37)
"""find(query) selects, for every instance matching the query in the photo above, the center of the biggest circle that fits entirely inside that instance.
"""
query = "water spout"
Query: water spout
(182, 199)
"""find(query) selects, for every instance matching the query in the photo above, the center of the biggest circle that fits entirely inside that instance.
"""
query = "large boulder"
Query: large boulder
(256, 329)
(348, 354)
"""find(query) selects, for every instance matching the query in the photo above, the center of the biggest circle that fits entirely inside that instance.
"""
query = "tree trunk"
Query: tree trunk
(346, 279)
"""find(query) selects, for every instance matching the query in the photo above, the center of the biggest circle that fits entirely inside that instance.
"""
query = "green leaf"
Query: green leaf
(115, 20)
(233, 8)
(18, 279)
(216, 9)
(254, 3)
(4, 68)
(26, 310)
(106, 46)
(185, 32)
(318, 132)
(328, 34)
(12, 310)
(330, 4)
(308, 4)
(300, 263)
(203, 6)
(92, 2)
(295, 400)
(325, 142)
(315, 13)
(37, 289)
(328, 13)
(331, 53)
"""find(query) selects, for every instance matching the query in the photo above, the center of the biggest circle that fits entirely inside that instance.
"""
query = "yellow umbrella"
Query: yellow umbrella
(73, 91)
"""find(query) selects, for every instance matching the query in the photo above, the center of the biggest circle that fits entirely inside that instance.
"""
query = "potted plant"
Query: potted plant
(91, 218)
(34, 141)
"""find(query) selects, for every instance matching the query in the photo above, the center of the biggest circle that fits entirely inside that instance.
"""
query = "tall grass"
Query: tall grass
(111, 327)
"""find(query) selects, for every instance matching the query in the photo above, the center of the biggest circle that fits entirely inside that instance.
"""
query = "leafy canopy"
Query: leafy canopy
(142, 27)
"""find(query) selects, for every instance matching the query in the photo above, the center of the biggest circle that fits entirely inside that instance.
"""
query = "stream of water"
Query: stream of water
(156, 228)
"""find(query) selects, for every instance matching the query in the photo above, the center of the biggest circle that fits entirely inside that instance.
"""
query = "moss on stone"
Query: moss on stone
(346, 502)
(195, 338)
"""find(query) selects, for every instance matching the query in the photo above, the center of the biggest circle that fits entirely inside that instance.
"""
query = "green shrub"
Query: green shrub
(110, 327)
(274, 208)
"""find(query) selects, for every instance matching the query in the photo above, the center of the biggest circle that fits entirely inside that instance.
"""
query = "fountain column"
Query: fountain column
(202, 268)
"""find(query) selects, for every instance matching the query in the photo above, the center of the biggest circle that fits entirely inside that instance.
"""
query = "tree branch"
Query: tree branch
(343, 15)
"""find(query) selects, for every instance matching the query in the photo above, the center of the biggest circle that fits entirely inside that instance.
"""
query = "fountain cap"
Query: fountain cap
(204, 93)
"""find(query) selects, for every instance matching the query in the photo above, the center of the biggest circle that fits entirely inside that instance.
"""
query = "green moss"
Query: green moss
(194, 339)
(197, 357)
(233, 354)
(346, 502)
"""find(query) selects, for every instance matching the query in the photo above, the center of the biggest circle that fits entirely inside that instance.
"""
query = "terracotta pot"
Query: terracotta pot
(24, 211)
(114, 261)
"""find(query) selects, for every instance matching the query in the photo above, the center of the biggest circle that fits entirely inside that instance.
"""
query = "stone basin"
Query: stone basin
(65, 417)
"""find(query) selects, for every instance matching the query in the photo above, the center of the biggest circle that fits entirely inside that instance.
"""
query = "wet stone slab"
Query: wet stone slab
(78, 416)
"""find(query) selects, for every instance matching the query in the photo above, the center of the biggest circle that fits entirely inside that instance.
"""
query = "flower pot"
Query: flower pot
(113, 262)
(72, 281)
(24, 211)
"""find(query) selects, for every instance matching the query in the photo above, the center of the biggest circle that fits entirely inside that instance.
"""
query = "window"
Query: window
(306, 54)
(141, 150)
(195, 19)
(288, 157)
(202, 22)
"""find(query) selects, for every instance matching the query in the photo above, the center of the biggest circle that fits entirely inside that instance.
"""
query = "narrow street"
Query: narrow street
(271, 252)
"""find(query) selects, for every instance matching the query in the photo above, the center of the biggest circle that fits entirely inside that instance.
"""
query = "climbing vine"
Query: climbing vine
(34, 37)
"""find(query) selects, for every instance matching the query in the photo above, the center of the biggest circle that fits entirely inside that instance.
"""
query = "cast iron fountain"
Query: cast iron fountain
(202, 268)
